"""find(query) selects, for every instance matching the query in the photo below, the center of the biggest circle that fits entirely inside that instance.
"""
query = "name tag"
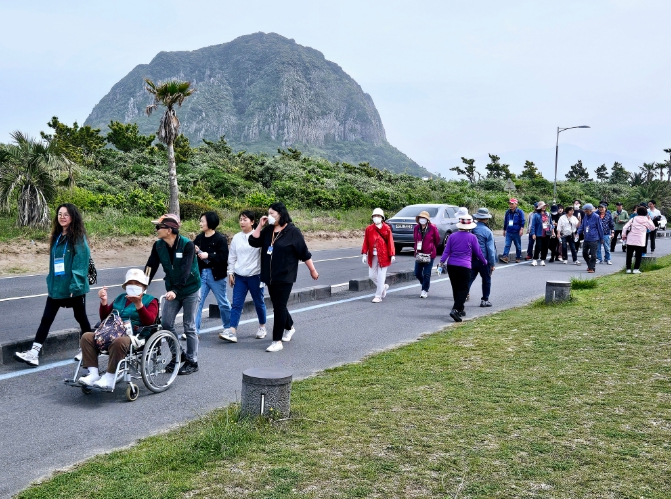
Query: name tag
(419, 246)
(510, 223)
(178, 255)
(270, 250)
(586, 230)
(59, 266)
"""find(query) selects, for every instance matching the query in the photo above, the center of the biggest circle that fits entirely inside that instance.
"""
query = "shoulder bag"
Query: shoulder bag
(423, 257)
(109, 330)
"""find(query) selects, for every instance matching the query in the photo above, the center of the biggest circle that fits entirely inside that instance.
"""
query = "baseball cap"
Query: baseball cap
(169, 220)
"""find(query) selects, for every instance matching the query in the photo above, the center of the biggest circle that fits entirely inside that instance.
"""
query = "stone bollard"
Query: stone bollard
(648, 260)
(264, 389)
(557, 291)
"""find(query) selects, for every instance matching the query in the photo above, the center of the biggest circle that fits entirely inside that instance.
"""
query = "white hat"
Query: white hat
(461, 212)
(135, 275)
(466, 222)
(378, 211)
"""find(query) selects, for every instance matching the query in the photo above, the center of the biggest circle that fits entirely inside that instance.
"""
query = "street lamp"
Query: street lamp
(554, 191)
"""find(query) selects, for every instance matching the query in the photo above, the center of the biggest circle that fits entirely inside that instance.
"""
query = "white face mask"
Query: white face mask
(133, 290)
(422, 221)
(377, 220)
(271, 220)
(576, 206)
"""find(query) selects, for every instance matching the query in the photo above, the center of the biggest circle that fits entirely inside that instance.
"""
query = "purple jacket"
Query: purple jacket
(431, 239)
(460, 248)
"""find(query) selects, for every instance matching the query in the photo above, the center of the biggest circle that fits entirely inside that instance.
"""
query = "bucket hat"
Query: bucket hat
(135, 275)
(423, 214)
(466, 222)
(482, 213)
(378, 212)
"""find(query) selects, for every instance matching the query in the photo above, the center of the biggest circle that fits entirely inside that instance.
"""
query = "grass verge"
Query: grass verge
(567, 401)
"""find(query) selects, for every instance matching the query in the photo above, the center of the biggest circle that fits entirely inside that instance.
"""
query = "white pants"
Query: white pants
(378, 275)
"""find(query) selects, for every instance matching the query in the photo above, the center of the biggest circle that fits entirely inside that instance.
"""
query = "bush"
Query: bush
(192, 210)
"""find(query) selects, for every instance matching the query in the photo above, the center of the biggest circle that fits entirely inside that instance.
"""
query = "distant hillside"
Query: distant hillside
(262, 91)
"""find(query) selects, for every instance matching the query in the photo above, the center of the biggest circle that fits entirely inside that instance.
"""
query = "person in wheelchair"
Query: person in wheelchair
(134, 305)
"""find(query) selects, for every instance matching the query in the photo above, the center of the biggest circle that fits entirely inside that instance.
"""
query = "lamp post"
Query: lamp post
(559, 130)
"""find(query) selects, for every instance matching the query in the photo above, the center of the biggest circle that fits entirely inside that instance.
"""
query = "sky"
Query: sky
(450, 79)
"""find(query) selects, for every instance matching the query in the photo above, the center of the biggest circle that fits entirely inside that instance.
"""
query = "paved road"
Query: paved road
(43, 422)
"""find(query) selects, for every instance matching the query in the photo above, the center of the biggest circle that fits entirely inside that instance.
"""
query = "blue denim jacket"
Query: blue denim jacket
(591, 227)
(486, 242)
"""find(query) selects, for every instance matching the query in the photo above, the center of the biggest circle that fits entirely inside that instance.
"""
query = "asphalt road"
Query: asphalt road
(46, 425)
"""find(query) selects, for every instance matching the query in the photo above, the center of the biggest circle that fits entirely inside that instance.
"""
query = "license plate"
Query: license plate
(403, 226)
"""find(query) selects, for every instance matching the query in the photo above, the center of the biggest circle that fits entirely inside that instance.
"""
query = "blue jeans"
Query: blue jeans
(168, 314)
(423, 274)
(530, 248)
(606, 247)
(252, 284)
(218, 288)
(516, 239)
(485, 273)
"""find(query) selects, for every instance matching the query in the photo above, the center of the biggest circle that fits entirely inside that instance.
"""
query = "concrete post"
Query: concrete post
(557, 291)
(264, 389)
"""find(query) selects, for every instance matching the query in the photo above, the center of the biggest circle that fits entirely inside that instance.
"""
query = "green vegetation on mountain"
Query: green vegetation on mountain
(264, 92)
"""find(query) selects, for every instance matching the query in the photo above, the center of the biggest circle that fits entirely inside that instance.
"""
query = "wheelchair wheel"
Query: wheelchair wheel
(132, 392)
(86, 390)
(161, 348)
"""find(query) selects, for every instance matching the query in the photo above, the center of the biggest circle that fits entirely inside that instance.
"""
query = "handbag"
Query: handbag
(423, 257)
(109, 330)
(93, 273)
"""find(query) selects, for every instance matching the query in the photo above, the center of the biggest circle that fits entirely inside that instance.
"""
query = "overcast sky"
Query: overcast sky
(449, 78)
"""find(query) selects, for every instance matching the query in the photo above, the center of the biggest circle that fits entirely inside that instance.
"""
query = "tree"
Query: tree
(668, 165)
(127, 138)
(578, 173)
(26, 177)
(73, 142)
(648, 171)
(496, 169)
(220, 146)
(661, 167)
(468, 171)
(169, 94)
(618, 174)
(530, 171)
(602, 173)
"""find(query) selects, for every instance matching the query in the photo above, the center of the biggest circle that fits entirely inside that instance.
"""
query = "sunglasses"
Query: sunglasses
(159, 227)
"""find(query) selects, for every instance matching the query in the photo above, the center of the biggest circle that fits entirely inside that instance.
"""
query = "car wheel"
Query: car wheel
(441, 248)
(398, 248)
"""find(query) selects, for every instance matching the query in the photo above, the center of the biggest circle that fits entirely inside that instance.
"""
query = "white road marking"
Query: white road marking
(47, 294)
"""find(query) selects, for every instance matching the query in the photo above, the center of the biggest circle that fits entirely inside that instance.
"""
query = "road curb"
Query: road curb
(363, 284)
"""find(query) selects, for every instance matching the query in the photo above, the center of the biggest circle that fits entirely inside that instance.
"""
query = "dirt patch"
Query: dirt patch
(32, 257)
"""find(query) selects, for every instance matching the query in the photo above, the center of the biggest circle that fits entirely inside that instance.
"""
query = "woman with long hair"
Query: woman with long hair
(67, 280)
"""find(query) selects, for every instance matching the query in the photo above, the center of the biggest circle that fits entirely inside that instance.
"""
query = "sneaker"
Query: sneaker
(288, 333)
(261, 332)
(182, 336)
(173, 363)
(609, 262)
(543, 263)
(423, 294)
(455, 315)
(504, 259)
(89, 380)
(527, 257)
(564, 262)
(485, 303)
(78, 357)
(590, 271)
(384, 291)
(30, 357)
(577, 262)
(560, 259)
(275, 346)
(517, 260)
(628, 271)
(636, 271)
(377, 299)
(462, 313)
(533, 262)
(188, 368)
(226, 335)
(106, 382)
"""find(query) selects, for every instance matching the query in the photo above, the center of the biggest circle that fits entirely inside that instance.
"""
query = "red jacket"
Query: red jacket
(384, 244)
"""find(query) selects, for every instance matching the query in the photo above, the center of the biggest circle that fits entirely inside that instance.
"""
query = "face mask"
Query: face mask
(422, 221)
(133, 290)
(271, 220)
(377, 220)
(576, 206)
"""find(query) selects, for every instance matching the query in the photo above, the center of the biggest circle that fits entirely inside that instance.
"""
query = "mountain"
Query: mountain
(262, 91)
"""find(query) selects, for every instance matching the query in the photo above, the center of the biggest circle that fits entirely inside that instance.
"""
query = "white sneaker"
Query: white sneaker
(564, 262)
(384, 291)
(423, 294)
(628, 271)
(106, 382)
(377, 299)
(78, 357)
(577, 262)
(89, 380)
(275, 346)
(542, 263)
(226, 335)
(560, 259)
(288, 333)
(636, 271)
(609, 262)
(261, 332)
(30, 357)
(533, 263)
(182, 336)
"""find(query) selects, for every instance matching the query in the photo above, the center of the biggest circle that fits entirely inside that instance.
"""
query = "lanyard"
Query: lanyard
(64, 249)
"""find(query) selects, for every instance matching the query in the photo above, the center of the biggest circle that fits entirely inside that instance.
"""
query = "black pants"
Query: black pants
(542, 244)
(460, 279)
(78, 306)
(650, 236)
(638, 250)
(613, 240)
(589, 253)
(279, 295)
(570, 242)
(555, 247)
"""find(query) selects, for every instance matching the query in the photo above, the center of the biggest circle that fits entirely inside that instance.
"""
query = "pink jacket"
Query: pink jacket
(639, 227)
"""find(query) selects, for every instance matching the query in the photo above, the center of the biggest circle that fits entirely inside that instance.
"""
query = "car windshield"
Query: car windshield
(413, 211)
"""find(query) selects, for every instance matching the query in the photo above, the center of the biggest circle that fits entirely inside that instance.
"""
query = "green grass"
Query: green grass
(568, 401)
(580, 283)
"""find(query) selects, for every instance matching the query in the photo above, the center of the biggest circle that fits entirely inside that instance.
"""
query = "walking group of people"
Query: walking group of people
(265, 253)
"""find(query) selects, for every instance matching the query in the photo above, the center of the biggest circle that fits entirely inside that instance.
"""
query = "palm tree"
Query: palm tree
(26, 176)
(648, 171)
(661, 167)
(668, 165)
(168, 94)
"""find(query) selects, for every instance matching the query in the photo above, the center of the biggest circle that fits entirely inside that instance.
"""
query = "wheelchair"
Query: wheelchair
(155, 360)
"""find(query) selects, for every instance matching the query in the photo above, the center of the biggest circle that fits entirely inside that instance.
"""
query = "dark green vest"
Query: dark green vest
(129, 311)
(173, 271)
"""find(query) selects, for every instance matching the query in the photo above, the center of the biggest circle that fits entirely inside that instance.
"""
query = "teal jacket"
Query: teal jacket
(75, 281)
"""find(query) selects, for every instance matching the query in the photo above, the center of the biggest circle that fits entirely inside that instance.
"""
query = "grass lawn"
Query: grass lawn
(567, 401)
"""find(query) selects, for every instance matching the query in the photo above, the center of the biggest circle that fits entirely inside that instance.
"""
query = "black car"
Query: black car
(443, 216)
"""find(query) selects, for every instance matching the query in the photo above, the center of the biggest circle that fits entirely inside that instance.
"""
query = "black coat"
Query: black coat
(288, 250)
(216, 248)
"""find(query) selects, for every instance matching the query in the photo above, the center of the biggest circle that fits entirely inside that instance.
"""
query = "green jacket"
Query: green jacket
(75, 281)
(173, 270)
(620, 220)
